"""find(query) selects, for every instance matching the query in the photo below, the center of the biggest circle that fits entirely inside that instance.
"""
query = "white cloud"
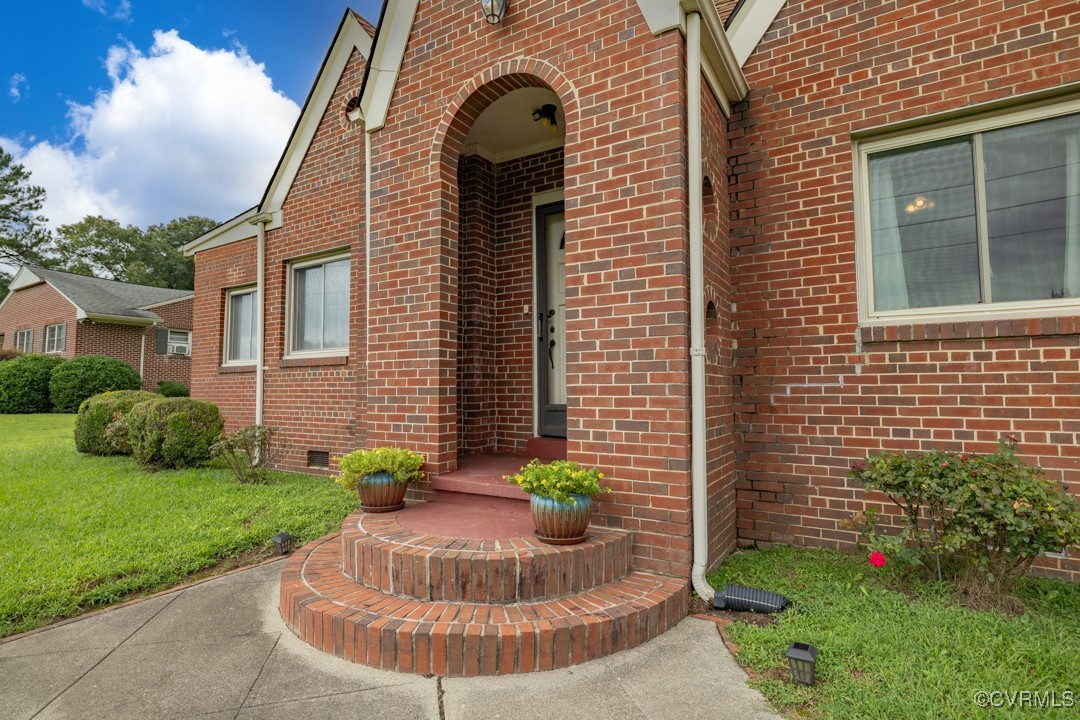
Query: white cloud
(16, 84)
(182, 131)
(122, 10)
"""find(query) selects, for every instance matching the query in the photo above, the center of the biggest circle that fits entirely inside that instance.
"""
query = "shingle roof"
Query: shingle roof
(109, 297)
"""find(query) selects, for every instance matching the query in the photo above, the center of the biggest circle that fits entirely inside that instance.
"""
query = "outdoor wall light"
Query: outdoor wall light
(801, 659)
(283, 542)
(545, 115)
(494, 9)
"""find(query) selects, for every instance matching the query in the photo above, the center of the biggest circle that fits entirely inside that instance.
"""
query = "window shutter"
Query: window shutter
(162, 341)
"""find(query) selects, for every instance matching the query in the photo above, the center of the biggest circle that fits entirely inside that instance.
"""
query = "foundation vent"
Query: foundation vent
(318, 458)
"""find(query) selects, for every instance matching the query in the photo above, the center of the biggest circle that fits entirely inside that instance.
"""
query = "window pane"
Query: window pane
(308, 309)
(923, 228)
(241, 327)
(1033, 210)
(336, 305)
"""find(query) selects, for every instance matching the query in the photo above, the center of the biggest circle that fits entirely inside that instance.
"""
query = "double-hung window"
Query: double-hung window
(179, 342)
(241, 326)
(319, 306)
(977, 219)
(55, 338)
(24, 340)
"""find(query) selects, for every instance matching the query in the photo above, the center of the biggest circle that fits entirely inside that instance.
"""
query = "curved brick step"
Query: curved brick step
(377, 552)
(337, 615)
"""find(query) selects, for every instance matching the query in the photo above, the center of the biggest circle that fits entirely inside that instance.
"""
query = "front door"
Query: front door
(551, 319)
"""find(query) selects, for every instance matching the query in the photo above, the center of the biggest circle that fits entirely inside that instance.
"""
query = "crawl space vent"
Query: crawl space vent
(318, 458)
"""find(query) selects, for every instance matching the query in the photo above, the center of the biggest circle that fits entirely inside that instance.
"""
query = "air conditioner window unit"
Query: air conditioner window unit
(178, 349)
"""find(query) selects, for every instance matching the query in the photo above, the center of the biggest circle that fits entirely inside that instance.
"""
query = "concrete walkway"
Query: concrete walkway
(219, 651)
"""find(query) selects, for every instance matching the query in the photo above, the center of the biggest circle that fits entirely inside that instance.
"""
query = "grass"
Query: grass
(78, 532)
(905, 655)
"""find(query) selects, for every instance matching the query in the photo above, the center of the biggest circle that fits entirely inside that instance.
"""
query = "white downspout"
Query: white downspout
(260, 221)
(367, 250)
(698, 494)
(142, 354)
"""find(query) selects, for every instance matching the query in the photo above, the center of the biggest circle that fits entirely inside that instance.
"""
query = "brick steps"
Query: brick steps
(458, 607)
(376, 551)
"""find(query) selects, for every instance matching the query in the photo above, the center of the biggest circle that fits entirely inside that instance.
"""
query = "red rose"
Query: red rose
(877, 559)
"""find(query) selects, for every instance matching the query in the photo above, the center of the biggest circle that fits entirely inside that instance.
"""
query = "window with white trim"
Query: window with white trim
(179, 342)
(978, 218)
(241, 325)
(55, 338)
(319, 307)
(24, 340)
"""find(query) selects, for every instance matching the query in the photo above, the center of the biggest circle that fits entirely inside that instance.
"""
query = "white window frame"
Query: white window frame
(55, 338)
(290, 320)
(229, 295)
(862, 150)
(186, 343)
(18, 341)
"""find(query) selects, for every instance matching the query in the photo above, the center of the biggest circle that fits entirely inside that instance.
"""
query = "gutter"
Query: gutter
(260, 221)
(698, 494)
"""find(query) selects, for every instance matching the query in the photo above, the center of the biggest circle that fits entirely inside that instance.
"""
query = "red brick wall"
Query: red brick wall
(621, 90)
(320, 402)
(815, 393)
(33, 308)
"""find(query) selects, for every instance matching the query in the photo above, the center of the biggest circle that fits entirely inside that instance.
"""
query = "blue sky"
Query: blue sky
(146, 110)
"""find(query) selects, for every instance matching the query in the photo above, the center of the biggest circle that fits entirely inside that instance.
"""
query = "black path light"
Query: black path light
(494, 9)
(283, 541)
(802, 658)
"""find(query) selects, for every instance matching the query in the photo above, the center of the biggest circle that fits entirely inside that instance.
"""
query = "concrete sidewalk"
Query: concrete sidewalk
(219, 651)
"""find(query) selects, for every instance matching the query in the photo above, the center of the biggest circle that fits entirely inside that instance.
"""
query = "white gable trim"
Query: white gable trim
(385, 64)
(751, 22)
(227, 232)
(25, 278)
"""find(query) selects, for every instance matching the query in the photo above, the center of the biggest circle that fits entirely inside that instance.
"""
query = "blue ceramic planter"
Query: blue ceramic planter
(380, 493)
(560, 523)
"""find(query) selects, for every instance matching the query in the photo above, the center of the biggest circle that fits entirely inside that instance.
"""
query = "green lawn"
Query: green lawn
(912, 655)
(78, 532)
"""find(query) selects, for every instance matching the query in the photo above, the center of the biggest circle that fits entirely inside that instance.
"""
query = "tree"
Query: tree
(23, 236)
(104, 248)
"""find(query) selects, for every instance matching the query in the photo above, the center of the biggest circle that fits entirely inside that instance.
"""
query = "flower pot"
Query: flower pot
(559, 523)
(380, 493)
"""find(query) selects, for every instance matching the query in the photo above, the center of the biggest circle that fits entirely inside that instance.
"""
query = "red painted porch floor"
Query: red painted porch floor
(483, 475)
(472, 517)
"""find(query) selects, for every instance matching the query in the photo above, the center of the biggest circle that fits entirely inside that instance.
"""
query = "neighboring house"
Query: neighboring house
(720, 252)
(59, 313)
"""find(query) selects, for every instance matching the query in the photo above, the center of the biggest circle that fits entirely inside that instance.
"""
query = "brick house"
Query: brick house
(59, 313)
(718, 250)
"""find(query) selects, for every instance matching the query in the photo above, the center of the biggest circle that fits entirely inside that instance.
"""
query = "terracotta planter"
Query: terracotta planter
(560, 523)
(380, 493)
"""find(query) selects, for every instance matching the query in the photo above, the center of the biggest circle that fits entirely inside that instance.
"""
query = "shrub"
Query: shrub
(173, 432)
(990, 516)
(24, 383)
(559, 480)
(98, 414)
(88, 375)
(9, 354)
(251, 452)
(401, 464)
(168, 388)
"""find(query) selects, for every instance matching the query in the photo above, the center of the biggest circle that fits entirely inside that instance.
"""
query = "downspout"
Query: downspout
(367, 250)
(698, 494)
(142, 354)
(260, 221)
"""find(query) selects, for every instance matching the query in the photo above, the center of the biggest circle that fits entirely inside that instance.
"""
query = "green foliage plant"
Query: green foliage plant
(403, 465)
(173, 432)
(88, 375)
(169, 388)
(24, 384)
(9, 354)
(98, 413)
(251, 452)
(989, 516)
(559, 480)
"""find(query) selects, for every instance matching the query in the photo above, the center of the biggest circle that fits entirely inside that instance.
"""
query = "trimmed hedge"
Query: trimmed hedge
(98, 412)
(173, 432)
(168, 388)
(88, 375)
(24, 383)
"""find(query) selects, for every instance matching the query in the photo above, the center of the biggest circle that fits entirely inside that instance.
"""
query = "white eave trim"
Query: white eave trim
(750, 23)
(352, 36)
(722, 71)
(114, 319)
(25, 277)
(166, 302)
(384, 66)
(227, 232)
